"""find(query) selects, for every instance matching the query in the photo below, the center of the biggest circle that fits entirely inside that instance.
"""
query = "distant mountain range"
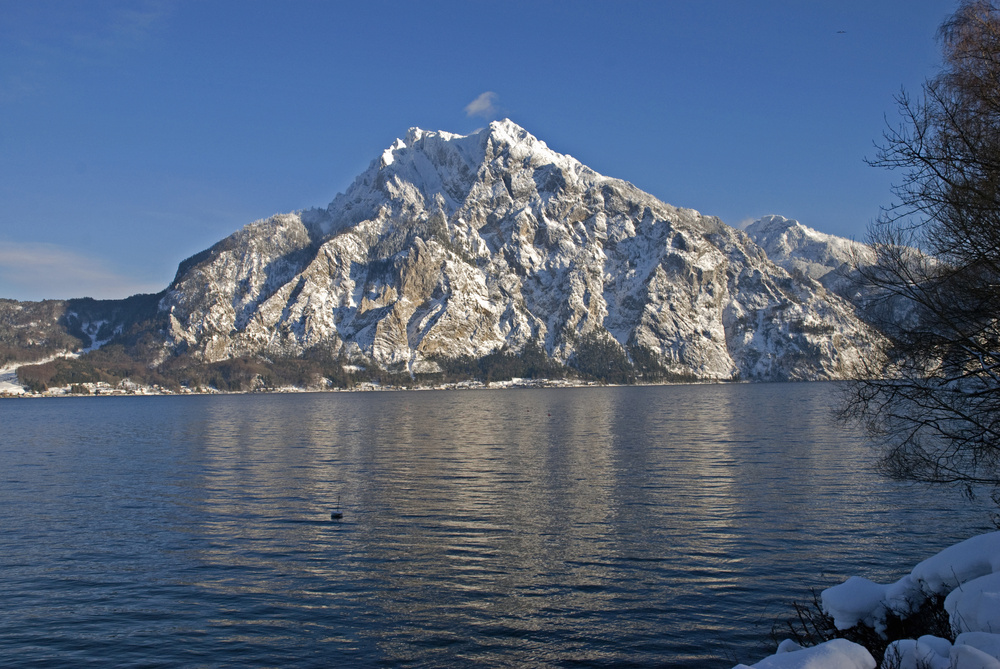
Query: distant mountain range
(487, 256)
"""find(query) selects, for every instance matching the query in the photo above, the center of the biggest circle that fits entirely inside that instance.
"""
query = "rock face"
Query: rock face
(450, 246)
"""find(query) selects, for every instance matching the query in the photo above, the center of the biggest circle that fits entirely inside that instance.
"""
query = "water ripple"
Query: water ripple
(586, 527)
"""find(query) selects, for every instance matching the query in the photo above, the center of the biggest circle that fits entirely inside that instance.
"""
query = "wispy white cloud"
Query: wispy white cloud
(484, 106)
(34, 271)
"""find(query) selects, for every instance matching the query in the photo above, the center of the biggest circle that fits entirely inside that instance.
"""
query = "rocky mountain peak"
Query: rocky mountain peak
(462, 246)
(797, 247)
(443, 171)
(782, 236)
(440, 148)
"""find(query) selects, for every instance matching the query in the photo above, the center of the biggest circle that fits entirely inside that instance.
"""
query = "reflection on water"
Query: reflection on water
(658, 526)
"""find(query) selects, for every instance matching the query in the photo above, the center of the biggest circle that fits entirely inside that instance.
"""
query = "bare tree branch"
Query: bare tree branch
(931, 398)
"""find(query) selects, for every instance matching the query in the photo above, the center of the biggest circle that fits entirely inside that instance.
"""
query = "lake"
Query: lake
(636, 526)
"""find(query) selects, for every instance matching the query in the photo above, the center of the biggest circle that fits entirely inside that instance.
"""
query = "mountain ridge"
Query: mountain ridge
(451, 247)
(585, 248)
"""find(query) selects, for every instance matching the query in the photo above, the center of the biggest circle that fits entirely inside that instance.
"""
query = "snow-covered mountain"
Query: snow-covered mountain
(451, 246)
(798, 248)
(834, 262)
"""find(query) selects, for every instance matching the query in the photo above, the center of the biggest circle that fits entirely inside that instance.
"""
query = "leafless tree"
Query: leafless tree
(932, 398)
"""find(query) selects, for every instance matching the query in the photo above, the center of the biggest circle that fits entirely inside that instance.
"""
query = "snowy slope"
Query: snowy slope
(452, 245)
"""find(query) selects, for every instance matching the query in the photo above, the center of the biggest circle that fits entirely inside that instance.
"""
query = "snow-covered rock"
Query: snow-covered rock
(929, 652)
(964, 656)
(974, 606)
(967, 573)
(970, 559)
(452, 245)
(984, 642)
(979, 650)
(834, 654)
(855, 601)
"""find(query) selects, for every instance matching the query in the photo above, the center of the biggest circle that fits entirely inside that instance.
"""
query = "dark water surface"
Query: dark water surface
(662, 526)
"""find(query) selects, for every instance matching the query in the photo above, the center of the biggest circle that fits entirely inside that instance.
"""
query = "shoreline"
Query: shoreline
(106, 390)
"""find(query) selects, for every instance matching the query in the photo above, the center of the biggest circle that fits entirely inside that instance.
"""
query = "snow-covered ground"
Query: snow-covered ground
(8, 382)
(968, 574)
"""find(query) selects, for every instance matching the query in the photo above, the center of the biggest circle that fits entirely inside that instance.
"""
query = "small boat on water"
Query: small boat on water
(336, 514)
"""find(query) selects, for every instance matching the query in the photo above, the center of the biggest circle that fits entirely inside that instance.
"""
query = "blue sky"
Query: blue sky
(135, 134)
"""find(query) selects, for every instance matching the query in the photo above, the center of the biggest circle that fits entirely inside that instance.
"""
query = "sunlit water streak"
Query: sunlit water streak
(663, 526)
